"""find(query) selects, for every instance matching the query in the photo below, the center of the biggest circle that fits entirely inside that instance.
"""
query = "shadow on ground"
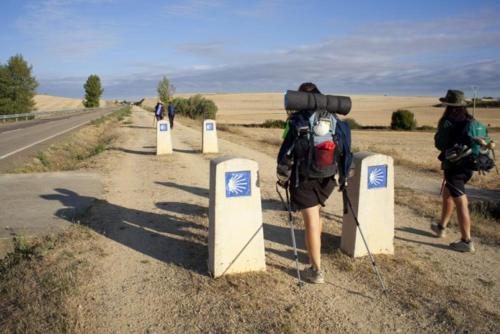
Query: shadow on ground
(267, 203)
(187, 151)
(170, 238)
(126, 150)
(139, 127)
(164, 237)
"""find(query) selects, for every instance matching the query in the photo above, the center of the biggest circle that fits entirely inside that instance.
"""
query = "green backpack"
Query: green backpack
(478, 131)
(481, 158)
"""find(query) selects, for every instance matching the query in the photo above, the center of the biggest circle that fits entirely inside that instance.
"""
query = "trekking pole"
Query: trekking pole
(494, 159)
(374, 265)
(292, 231)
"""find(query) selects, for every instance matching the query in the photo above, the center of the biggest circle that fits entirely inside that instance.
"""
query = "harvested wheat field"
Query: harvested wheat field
(250, 108)
(49, 103)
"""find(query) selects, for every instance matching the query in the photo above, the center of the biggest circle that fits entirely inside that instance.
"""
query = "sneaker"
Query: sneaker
(462, 246)
(314, 276)
(439, 229)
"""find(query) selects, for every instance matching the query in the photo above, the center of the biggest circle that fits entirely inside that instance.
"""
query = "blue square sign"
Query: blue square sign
(209, 126)
(238, 184)
(163, 127)
(377, 177)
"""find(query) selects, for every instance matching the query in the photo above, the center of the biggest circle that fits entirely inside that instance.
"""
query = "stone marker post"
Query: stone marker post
(209, 137)
(371, 190)
(163, 138)
(235, 236)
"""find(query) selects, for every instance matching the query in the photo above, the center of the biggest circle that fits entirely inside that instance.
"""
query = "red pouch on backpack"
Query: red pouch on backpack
(324, 153)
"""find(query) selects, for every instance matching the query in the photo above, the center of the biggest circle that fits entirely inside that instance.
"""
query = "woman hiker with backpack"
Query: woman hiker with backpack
(308, 193)
(458, 161)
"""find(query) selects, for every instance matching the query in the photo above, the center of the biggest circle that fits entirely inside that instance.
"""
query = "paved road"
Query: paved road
(40, 203)
(19, 137)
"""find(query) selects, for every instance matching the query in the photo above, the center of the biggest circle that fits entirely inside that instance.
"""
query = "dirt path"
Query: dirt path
(408, 178)
(153, 275)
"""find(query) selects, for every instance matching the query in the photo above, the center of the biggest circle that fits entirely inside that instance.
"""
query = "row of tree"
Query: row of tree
(18, 87)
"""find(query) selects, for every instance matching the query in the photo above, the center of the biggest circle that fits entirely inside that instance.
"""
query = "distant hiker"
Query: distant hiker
(308, 160)
(159, 111)
(171, 114)
(464, 146)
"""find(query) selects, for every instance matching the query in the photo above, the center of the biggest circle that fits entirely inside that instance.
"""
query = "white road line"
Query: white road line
(42, 140)
(9, 131)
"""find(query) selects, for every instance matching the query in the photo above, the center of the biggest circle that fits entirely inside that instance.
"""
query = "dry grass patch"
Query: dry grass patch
(416, 285)
(40, 278)
(485, 215)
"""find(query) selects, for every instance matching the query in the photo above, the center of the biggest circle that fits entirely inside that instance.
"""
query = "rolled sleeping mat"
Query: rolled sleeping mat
(338, 104)
(295, 100)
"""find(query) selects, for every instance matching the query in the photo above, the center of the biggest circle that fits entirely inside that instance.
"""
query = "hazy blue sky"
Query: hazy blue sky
(376, 47)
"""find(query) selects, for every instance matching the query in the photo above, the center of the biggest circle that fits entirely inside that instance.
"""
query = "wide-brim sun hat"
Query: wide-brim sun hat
(454, 98)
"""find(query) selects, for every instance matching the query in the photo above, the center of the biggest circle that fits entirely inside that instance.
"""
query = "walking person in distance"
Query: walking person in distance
(171, 113)
(159, 110)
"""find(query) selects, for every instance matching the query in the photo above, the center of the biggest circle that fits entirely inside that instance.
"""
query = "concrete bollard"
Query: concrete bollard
(163, 138)
(371, 190)
(209, 137)
(235, 236)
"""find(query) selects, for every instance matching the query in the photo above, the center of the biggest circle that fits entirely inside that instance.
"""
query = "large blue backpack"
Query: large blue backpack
(320, 156)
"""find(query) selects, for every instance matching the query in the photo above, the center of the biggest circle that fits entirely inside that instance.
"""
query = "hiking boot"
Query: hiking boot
(439, 229)
(463, 246)
(314, 276)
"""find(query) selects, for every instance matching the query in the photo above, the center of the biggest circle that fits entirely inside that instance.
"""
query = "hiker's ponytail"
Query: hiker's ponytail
(455, 113)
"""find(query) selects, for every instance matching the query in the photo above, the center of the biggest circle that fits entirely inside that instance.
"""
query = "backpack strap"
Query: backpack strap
(343, 133)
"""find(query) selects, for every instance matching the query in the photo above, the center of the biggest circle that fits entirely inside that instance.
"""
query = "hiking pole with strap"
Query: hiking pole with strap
(292, 231)
(494, 159)
(374, 265)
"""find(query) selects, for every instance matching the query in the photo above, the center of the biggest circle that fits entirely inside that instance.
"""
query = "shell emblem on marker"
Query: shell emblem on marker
(238, 184)
(377, 177)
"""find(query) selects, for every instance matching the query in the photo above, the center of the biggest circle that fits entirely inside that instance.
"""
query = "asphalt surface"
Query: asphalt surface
(41, 203)
(23, 138)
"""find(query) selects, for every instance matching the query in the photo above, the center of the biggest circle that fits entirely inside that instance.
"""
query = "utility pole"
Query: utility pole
(475, 94)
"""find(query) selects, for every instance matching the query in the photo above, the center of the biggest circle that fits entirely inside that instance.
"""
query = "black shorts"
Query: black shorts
(311, 193)
(456, 178)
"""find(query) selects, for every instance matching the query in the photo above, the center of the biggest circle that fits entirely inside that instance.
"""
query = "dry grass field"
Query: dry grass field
(53, 103)
(414, 150)
(247, 108)
(49, 103)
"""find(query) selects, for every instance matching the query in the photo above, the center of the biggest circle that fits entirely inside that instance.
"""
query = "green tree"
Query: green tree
(93, 91)
(195, 107)
(403, 120)
(165, 90)
(17, 86)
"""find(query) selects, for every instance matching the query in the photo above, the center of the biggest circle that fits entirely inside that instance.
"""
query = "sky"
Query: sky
(346, 47)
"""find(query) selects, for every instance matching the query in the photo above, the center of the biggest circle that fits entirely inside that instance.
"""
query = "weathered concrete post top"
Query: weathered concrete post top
(209, 137)
(371, 190)
(163, 138)
(235, 236)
